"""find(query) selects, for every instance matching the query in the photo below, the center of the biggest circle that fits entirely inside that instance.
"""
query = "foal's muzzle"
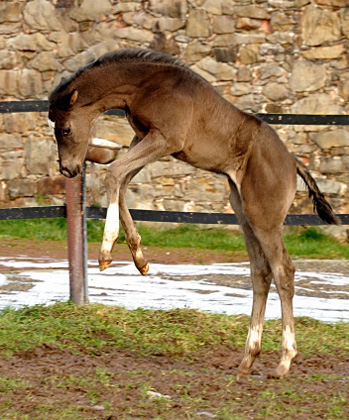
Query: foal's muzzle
(71, 171)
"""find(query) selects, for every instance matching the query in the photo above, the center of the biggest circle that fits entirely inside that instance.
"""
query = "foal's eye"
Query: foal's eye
(66, 131)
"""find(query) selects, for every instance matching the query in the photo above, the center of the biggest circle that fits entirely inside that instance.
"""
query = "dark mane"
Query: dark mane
(138, 54)
(128, 54)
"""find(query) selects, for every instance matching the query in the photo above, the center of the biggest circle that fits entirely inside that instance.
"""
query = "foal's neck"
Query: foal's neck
(111, 86)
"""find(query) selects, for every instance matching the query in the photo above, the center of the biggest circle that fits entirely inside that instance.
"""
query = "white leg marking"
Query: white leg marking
(289, 341)
(254, 338)
(111, 228)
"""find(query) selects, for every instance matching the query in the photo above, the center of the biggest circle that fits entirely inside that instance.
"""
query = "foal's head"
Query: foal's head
(72, 129)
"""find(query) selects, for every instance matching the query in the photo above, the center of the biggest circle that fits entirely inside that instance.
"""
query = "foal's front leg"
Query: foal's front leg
(151, 148)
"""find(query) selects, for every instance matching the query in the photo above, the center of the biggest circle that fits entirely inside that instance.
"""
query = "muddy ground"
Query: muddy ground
(163, 387)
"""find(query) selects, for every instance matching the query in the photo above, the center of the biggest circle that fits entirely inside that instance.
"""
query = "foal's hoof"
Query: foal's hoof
(144, 270)
(104, 264)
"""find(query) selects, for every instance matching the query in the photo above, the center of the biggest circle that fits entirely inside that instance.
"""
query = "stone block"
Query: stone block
(122, 7)
(198, 24)
(325, 53)
(196, 50)
(21, 188)
(9, 82)
(228, 7)
(50, 186)
(307, 76)
(40, 156)
(143, 19)
(8, 59)
(213, 6)
(249, 54)
(12, 165)
(18, 123)
(281, 22)
(91, 10)
(282, 38)
(317, 103)
(270, 70)
(244, 74)
(171, 8)
(45, 61)
(248, 24)
(30, 83)
(275, 91)
(225, 55)
(221, 71)
(301, 3)
(319, 26)
(10, 12)
(41, 15)
(10, 142)
(223, 40)
(251, 11)
(335, 138)
(250, 38)
(134, 34)
(31, 42)
(170, 24)
(329, 187)
(223, 25)
(344, 89)
(344, 16)
(334, 165)
(10, 28)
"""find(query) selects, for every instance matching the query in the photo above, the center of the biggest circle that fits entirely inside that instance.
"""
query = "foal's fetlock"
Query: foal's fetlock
(140, 261)
(245, 365)
(144, 270)
(142, 266)
(104, 261)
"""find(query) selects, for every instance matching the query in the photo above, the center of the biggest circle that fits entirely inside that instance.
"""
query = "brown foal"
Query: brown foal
(174, 111)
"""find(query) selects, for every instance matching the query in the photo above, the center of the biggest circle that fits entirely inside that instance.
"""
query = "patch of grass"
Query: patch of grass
(150, 332)
(308, 243)
(93, 326)
(311, 242)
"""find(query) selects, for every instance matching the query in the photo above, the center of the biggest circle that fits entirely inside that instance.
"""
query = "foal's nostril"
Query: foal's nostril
(66, 172)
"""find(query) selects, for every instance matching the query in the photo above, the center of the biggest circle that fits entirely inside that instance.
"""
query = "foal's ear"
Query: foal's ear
(73, 97)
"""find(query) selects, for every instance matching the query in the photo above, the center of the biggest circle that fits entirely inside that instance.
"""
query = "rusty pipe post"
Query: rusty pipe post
(77, 243)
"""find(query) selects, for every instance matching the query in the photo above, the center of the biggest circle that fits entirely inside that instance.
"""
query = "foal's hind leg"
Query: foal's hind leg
(261, 277)
(283, 272)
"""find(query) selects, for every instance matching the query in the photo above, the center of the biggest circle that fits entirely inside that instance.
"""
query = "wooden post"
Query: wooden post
(77, 241)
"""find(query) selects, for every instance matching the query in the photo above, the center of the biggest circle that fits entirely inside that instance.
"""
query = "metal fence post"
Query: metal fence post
(77, 242)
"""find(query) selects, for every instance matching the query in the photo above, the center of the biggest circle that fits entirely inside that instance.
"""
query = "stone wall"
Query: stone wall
(272, 56)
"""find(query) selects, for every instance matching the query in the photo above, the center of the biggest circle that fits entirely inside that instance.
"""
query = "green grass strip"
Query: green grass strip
(301, 242)
(180, 332)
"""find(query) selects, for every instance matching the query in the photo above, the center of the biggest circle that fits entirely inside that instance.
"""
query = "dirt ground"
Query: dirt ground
(164, 387)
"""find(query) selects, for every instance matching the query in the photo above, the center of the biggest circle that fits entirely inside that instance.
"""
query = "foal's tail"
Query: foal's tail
(321, 205)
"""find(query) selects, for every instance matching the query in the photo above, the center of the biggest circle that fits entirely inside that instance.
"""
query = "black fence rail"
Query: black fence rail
(284, 119)
(98, 213)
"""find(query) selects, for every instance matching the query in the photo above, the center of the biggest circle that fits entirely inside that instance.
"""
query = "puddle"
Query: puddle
(222, 288)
